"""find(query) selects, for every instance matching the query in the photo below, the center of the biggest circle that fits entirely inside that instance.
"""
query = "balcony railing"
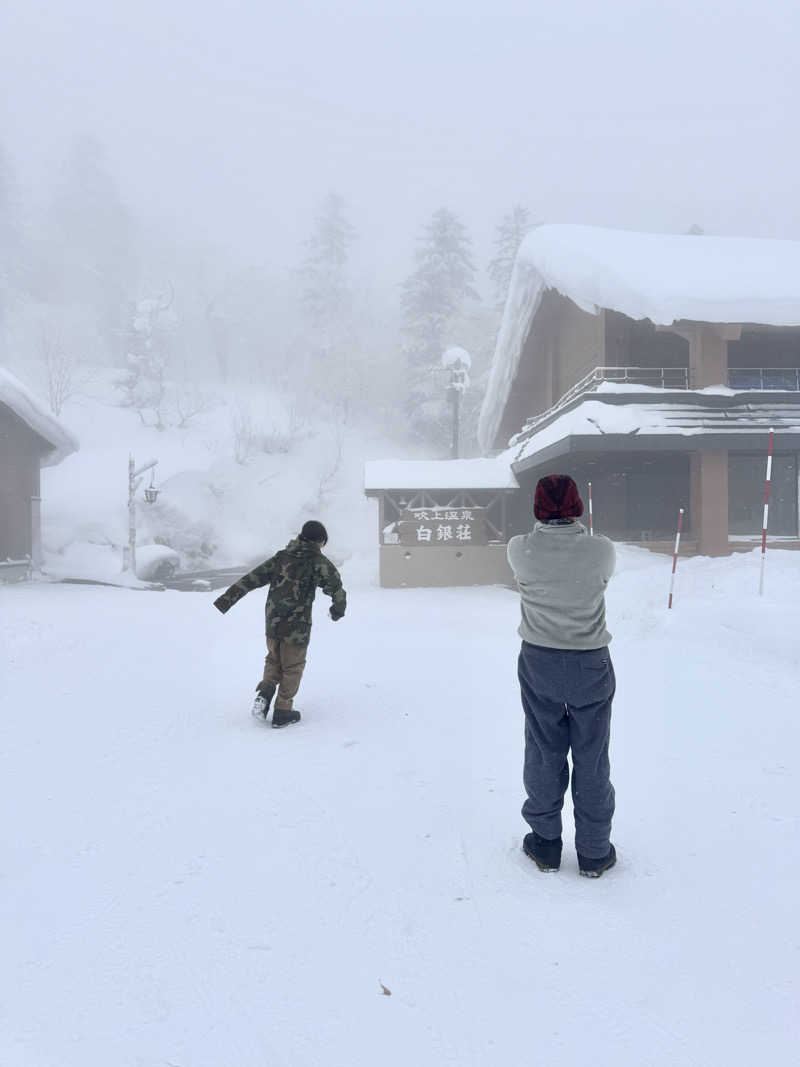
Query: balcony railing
(655, 377)
(761, 378)
(780, 378)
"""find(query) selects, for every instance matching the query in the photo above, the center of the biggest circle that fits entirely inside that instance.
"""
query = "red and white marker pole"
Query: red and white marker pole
(675, 557)
(766, 514)
(591, 525)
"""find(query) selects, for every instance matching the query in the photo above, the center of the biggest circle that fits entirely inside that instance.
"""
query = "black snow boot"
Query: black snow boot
(593, 868)
(546, 854)
(282, 717)
(265, 691)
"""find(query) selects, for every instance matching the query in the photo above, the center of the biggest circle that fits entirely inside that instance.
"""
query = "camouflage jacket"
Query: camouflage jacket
(293, 575)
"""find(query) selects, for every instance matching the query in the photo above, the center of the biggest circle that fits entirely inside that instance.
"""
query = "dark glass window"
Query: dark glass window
(746, 476)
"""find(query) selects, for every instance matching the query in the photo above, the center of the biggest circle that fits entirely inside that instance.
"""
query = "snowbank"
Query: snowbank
(660, 277)
(219, 504)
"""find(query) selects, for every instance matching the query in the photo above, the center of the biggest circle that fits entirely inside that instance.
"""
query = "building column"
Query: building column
(708, 351)
(708, 478)
(35, 514)
(36, 530)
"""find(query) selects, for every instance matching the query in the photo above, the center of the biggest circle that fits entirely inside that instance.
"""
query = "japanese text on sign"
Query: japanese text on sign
(443, 526)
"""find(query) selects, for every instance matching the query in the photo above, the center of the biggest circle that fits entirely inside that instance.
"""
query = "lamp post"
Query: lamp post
(458, 361)
(150, 495)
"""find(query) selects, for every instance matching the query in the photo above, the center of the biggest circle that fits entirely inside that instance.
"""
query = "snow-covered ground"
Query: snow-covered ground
(181, 886)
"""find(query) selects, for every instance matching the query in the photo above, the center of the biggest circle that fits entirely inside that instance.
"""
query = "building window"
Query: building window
(746, 474)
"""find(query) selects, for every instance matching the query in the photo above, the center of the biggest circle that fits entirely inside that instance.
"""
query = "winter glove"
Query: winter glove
(334, 616)
(222, 603)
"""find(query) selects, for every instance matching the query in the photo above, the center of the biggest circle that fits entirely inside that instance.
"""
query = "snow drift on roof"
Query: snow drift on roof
(438, 474)
(24, 404)
(661, 277)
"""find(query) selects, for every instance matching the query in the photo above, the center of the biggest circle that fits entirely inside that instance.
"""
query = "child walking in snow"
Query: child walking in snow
(293, 576)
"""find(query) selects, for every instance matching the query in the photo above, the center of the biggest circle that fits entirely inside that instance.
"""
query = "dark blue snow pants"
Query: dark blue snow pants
(566, 696)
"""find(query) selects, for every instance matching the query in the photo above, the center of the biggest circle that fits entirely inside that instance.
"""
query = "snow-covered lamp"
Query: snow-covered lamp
(458, 361)
(150, 491)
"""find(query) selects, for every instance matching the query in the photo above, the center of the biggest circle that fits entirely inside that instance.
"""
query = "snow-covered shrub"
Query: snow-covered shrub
(188, 402)
(184, 517)
(244, 435)
(250, 439)
(156, 562)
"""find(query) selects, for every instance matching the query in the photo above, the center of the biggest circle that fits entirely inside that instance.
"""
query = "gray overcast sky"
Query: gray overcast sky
(234, 119)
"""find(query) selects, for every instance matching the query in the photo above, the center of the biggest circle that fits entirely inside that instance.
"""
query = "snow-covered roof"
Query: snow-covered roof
(675, 413)
(661, 277)
(19, 399)
(438, 474)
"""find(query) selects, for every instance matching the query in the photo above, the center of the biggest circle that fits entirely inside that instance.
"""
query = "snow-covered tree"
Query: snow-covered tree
(509, 235)
(328, 350)
(439, 286)
(147, 355)
(433, 297)
(58, 365)
(326, 294)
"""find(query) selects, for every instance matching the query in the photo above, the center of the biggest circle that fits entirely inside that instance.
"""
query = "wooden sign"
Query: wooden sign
(445, 527)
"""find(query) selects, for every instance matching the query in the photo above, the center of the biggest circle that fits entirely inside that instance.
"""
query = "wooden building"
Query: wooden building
(30, 438)
(653, 366)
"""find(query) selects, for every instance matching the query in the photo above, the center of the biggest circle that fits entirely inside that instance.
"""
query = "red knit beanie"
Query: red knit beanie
(557, 497)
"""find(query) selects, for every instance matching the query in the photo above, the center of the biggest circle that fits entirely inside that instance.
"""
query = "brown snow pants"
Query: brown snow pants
(284, 668)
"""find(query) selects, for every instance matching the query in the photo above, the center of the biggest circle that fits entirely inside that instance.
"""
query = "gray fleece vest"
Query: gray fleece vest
(562, 574)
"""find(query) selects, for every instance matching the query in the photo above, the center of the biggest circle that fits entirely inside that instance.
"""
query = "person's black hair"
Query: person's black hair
(314, 531)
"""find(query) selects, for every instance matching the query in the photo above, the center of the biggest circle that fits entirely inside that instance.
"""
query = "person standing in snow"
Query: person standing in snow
(293, 576)
(566, 678)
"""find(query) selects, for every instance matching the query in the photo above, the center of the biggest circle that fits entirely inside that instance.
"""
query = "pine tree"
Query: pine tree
(439, 286)
(327, 362)
(326, 296)
(433, 296)
(511, 232)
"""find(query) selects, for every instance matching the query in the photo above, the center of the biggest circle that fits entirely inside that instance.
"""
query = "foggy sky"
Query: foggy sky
(230, 122)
